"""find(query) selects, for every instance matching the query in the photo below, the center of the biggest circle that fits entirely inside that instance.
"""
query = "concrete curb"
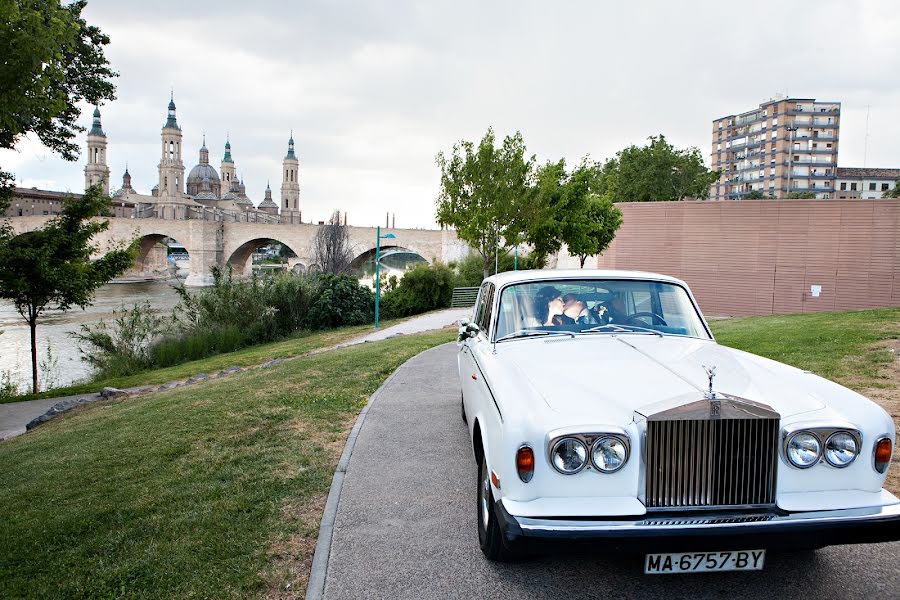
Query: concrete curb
(315, 585)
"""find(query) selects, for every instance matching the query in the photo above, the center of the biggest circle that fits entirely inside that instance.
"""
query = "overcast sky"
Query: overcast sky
(373, 90)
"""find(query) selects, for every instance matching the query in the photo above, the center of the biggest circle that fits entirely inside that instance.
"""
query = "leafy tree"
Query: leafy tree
(569, 211)
(894, 193)
(52, 62)
(485, 194)
(593, 234)
(52, 267)
(755, 195)
(800, 196)
(657, 171)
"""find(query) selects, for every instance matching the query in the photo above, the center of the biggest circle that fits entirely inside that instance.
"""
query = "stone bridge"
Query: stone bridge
(222, 243)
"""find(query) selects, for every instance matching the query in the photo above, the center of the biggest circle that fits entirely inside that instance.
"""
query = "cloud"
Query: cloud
(373, 91)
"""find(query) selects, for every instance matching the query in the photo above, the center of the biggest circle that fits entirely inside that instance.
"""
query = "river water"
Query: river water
(55, 328)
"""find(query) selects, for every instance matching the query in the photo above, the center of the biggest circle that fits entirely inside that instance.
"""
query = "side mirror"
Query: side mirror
(467, 330)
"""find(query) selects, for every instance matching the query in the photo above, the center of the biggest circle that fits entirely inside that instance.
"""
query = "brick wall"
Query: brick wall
(761, 257)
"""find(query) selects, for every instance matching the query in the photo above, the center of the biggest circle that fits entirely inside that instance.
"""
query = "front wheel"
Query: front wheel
(462, 403)
(489, 536)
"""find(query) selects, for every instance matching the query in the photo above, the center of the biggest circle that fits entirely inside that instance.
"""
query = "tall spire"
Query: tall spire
(204, 152)
(170, 120)
(290, 152)
(96, 129)
(227, 158)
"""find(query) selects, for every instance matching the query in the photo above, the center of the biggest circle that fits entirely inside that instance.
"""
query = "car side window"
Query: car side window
(485, 322)
(479, 311)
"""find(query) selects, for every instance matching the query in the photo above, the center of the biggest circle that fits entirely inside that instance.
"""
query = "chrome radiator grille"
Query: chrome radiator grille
(711, 462)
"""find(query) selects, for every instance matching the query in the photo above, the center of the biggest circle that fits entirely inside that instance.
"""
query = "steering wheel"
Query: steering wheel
(656, 319)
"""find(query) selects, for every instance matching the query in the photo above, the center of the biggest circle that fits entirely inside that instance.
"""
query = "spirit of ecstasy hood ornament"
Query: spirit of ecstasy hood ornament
(711, 374)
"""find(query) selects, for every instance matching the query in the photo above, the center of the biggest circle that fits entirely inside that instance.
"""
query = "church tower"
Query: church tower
(96, 171)
(290, 184)
(171, 168)
(227, 169)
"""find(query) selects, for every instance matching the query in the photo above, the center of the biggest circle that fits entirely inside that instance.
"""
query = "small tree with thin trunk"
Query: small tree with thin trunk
(332, 252)
(485, 194)
(52, 267)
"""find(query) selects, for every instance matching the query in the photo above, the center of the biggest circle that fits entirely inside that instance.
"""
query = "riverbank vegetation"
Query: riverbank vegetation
(230, 315)
(212, 491)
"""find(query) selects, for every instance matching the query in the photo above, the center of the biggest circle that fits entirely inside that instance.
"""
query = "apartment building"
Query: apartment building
(853, 182)
(785, 145)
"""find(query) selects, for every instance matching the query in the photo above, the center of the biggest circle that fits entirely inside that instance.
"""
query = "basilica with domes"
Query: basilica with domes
(204, 187)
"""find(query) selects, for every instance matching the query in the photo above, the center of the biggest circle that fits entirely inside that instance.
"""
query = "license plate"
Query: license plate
(703, 562)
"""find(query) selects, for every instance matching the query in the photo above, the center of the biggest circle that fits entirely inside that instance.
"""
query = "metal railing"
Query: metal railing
(464, 297)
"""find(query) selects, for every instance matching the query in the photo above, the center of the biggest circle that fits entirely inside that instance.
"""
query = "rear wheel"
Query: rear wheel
(489, 536)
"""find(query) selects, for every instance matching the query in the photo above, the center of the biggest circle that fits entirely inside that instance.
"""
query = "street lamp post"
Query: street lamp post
(378, 238)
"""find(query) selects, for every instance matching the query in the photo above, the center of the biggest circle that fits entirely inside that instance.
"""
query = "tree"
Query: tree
(755, 195)
(595, 231)
(800, 196)
(568, 210)
(331, 247)
(485, 194)
(657, 171)
(893, 193)
(52, 267)
(52, 62)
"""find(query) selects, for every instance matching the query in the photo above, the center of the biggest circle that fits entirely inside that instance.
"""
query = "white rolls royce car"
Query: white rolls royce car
(601, 408)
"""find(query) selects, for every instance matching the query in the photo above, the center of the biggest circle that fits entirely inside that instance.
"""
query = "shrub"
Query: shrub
(341, 301)
(423, 288)
(197, 344)
(121, 347)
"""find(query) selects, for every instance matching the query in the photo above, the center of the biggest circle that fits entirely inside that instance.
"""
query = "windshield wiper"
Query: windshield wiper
(609, 327)
(621, 328)
(530, 333)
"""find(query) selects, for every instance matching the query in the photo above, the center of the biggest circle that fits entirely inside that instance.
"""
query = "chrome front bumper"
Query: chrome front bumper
(714, 530)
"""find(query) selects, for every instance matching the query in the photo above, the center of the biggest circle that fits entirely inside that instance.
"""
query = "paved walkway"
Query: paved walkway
(405, 523)
(14, 416)
(427, 322)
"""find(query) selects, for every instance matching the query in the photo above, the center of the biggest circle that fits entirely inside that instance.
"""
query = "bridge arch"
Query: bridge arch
(240, 258)
(153, 257)
(394, 260)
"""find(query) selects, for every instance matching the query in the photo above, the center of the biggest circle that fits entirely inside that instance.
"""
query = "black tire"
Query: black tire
(489, 536)
(462, 403)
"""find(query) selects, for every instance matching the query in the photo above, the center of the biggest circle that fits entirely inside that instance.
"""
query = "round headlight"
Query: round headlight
(803, 449)
(840, 449)
(609, 454)
(568, 456)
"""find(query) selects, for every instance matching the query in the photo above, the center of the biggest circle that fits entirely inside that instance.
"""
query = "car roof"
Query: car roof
(508, 277)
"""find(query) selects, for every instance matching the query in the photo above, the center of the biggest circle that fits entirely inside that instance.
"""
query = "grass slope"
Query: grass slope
(188, 493)
(253, 355)
(843, 347)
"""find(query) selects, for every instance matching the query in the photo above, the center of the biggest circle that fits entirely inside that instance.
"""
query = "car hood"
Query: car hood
(604, 378)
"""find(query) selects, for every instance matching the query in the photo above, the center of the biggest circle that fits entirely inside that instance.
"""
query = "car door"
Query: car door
(467, 367)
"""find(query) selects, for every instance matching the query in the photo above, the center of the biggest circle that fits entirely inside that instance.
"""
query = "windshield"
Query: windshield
(593, 306)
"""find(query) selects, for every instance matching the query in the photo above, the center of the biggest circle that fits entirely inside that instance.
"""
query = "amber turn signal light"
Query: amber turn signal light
(882, 454)
(525, 463)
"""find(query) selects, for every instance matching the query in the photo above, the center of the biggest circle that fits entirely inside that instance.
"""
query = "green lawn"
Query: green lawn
(254, 355)
(198, 492)
(840, 346)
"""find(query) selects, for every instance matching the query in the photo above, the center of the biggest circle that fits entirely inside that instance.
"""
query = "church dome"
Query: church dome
(199, 172)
